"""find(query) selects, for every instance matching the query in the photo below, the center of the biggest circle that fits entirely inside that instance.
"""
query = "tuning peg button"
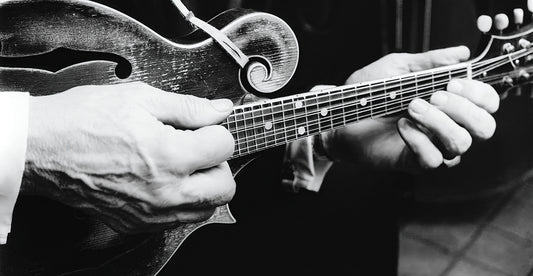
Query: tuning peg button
(523, 74)
(518, 16)
(530, 5)
(524, 43)
(501, 21)
(508, 81)
(484, 23)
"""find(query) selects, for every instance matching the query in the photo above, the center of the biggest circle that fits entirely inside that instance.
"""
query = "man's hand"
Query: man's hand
(137, 157)
(434, 133)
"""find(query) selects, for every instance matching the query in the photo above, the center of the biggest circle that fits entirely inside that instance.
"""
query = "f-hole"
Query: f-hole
(62, 58)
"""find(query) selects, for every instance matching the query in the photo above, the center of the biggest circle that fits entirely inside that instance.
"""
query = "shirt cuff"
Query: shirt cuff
(304, 168)
(14, 108)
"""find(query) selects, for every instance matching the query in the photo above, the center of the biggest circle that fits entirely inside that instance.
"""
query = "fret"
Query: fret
(387, 96)
(249, 132)
(378, 99)
(350, 99)
(424, 84)
(279, 122)
(239, 129)
(337, 113)
(343, 109)
(400, 85)
(416, 86)
(362, 102)
(259, 126)
(320, 113)
(441, 80)
(313, 114)
(288, 118)
(231, 123)
(300, 115)
(409, 89)
(323, 102)
(270, 126)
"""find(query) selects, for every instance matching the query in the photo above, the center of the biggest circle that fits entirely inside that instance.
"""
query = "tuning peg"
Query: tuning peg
(530, 5)
(484, 23)
(518, 17)
(501, 21)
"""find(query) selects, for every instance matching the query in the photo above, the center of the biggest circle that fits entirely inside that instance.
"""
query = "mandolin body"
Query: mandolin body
(116, 49)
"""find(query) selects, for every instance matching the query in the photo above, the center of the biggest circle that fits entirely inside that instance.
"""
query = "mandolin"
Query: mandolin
(117, 49)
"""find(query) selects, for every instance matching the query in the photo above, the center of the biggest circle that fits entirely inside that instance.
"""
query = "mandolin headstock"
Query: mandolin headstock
(507, 61)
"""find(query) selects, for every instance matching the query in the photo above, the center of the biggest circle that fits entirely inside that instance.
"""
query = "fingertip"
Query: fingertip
(463, 52)
(221, 136)
(222, 105)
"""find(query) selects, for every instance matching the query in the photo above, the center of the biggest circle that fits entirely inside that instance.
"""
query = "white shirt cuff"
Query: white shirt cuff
(14, 108)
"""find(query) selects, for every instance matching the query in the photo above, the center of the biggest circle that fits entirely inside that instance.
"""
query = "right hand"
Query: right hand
(138, 158)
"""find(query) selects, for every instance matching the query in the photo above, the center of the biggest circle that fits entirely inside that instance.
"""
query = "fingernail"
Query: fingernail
(418, 106)
(439, 98)
(455, 86)
(403, 123)
(222, 105)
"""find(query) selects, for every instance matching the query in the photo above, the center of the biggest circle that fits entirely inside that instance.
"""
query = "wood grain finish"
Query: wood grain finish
(195, 66)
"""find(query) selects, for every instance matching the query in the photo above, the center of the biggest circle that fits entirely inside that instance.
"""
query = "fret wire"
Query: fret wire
(475, 66)
(429, 93)
(450, 76)
(474, 75)
(296, 137)
(487, 79)
(396, 81)
(408, 99)
(354, 103)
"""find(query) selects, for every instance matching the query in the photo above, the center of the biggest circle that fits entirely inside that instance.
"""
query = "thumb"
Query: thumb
(437, 58)
(186, 111)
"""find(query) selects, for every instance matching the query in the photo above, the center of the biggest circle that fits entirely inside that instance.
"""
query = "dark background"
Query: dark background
(351, 226)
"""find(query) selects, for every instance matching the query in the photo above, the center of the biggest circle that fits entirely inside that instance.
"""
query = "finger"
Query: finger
(425, 151)
(476, 120)
(190, 151)
(183, 111)
(455, 139)
(482, 94)
(437, 58)
(209, 188)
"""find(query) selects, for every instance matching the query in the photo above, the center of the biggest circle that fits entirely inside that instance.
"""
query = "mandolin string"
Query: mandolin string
(500, 59)
(348, 102)
(260, 146)
(316, 112)
(355, 119)
(379, 97)
(263, 136)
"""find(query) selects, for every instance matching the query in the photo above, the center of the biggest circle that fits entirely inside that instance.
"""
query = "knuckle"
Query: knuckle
(459, 143)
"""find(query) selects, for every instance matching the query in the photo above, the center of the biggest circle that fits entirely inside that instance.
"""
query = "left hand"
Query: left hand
(436, 132)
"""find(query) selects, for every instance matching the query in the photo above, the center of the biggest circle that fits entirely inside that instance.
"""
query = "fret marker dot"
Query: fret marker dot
(301, 130)
(324, 111)
(392, 95)
(363, 101)
(268, 125)
(298, 104)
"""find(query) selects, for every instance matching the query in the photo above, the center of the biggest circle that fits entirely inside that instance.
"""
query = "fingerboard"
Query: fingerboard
(263, 125)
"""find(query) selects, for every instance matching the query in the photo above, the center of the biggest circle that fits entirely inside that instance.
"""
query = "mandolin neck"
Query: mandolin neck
(267, 124)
